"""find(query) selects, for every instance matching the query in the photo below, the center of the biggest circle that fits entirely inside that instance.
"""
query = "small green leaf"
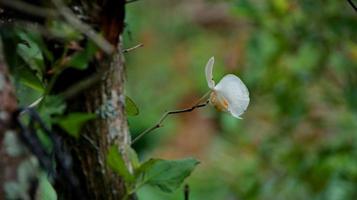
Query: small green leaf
(45, 189)
(81, 59)
(133, 156)
(28, 78)
(117, 163)
(37, 38)
(45, 141)
(73, 122)
(50, 107)
(130, 107)
(31, 53)
(168, 175)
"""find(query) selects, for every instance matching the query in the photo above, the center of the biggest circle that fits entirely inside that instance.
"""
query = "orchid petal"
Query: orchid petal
(233, 90)
(208, 70)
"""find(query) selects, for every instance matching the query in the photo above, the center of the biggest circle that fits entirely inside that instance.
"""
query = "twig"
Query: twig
(29, 8)
(67, 14)
(130, 1)
(132, 48)
(163, 117)
(90, 141)
(75, 89)
(82, 27)
(202, 98)
(82, 85)
(352, 5)
(35, 103)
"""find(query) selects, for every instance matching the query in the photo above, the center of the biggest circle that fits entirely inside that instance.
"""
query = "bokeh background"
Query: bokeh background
(298, 58)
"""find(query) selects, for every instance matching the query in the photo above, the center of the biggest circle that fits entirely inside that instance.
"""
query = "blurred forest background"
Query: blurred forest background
(298, 138)
(298, 58)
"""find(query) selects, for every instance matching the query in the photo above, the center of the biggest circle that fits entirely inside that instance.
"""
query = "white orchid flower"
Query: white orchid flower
(230, 94)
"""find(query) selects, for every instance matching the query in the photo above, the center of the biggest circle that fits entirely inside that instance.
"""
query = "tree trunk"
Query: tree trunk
(106, 99)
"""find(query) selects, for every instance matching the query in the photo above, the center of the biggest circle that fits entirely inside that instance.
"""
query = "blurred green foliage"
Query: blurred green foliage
(298, 138)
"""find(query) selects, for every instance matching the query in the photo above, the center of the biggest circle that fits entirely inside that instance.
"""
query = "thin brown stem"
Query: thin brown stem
(198, 104)
(90, 141)
(83, 85)
(132, 48)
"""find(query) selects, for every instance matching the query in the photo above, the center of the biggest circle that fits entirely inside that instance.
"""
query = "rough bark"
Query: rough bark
(110, 128)
(106, 99)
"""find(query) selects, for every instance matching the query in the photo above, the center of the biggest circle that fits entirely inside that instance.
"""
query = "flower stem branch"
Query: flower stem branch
(198, 104)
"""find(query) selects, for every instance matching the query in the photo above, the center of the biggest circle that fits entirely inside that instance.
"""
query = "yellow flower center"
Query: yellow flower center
(219, 102)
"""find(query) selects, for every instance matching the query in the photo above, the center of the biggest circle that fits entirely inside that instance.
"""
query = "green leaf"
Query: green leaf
(130, 107)
(31, 53)
(28, 78)
(117, 163)
(26, 95)
(133, 156)
(73, 122)
(50, 107)
(45, 140)
(81, 59)
(45, 190)
(168, 175)
(36, 38)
